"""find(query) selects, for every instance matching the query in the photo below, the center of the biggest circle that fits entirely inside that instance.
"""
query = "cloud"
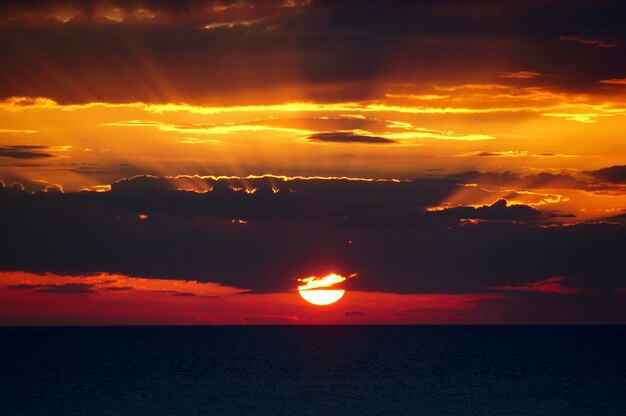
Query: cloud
(231, 24)
(515, 153)
(499, 210)
(25, 152)
(354, 313)
(293, 228)
(260, 50)
(23, 287)
(613, 174)
(341, 122)
(106, 284)
(614, 81)
(69, 288)
(117, 288)
(551, 285)
(520, 75)
(579, 117)
(348, 137)
(54, 188)
(599, 42)
(116, 11)
(18, 131)
(211, 129)
(66, 288)
(542, 180)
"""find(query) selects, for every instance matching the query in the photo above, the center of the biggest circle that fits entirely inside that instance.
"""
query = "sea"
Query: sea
(313, 370)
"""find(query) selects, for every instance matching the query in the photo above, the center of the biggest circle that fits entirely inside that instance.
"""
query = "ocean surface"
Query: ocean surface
(314, 370)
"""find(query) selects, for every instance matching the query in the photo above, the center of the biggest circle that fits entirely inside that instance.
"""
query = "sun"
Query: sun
(321, 297)
(316, 290)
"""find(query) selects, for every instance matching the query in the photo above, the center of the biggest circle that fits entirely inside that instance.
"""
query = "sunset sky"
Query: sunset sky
(187, 162)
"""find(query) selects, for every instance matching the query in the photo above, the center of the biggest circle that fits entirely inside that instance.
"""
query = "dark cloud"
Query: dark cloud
(542, 180)
(613, 174)
(25, 152)
(348, 137)
(272, 197)
(54, 188)
(250, 50)
(487, 154)
(354, 313)
(618, 218)
(499, 210)
(599, 42)
(118, 288)
(67, 288)
(556, 285)
(23, 287)
(263, 240)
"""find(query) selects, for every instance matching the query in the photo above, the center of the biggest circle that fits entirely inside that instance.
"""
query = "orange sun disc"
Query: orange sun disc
(322, 297)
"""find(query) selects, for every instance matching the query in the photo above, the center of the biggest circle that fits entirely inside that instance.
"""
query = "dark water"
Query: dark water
(325, 370)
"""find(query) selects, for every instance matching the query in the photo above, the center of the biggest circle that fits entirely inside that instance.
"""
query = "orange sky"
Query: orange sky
(483, 127)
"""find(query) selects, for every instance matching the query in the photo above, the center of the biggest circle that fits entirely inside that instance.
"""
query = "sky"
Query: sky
(183, 163)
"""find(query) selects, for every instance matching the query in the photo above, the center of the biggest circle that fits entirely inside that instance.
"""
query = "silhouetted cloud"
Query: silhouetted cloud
(348, 137)
(23, 287)
(520, 75)
(618, 218)
(117, 288)
(541, 180)
(69, 288)
(551, 285)
(66, 288)
(263, 233)
(601, 43)
(499, 210)
(353, 46)
(25, 152)
(613, 174)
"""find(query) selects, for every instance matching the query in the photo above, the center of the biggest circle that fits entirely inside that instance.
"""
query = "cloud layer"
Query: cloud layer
(262, 234)
(79, 52)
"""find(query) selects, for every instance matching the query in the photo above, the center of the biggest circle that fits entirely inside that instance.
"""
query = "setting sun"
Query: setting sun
(314, 290)
(322, 297)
